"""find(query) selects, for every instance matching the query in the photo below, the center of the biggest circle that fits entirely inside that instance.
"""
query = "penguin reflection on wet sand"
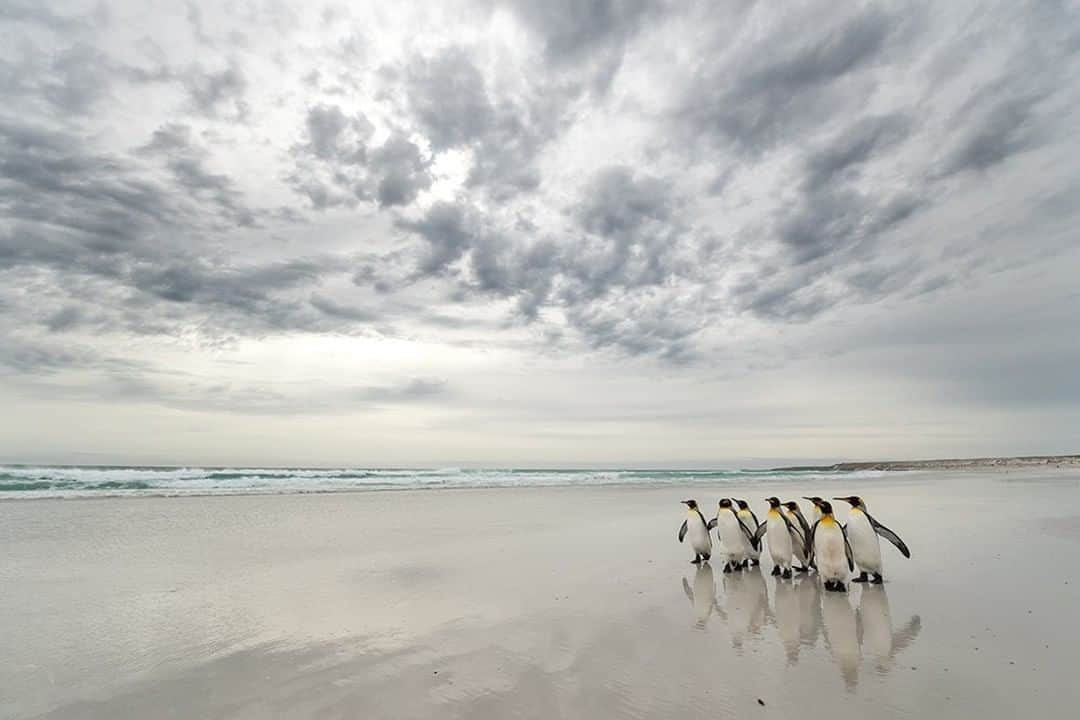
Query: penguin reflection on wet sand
(695, 526)
(841, 635)
(862, 532)
(787, 616)
(878, 639)
(702, 595)
(830, 550)
(746, 605)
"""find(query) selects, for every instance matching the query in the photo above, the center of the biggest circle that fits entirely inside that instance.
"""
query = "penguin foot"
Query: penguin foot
(745, 564)
(835, 586)
(863, 577)
(801, 569)
(877, 579)
(755, 563)
(696, 560)
(727, 567)
(787, 574)
(706, 557)
(776, 570)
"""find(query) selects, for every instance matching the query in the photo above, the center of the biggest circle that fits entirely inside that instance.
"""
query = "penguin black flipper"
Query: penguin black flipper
(810, 545)
(711, 525)
(757, 523)
(802, 523)
(703, 520)
(847, 550)
(760, 533)
(792, 529)
(746, 531)
(889, 535)
(682, 531)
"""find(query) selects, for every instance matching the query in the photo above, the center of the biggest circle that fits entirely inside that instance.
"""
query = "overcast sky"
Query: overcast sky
(537, 233)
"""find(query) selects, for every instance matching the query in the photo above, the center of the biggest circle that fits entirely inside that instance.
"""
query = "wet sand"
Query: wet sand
(533, 603)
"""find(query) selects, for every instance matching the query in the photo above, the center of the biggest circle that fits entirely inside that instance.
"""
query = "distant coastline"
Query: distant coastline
(946, 464)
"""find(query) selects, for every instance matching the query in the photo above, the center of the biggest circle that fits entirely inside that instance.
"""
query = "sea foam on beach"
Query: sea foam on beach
(28, 481)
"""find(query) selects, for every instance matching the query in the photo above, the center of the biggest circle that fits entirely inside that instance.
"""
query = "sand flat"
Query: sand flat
(534, 603)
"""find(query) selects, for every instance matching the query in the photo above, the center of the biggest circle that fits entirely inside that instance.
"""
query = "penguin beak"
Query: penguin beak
(685, 502)
(848, 500)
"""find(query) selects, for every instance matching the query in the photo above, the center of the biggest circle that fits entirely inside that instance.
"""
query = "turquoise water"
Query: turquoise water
(27, 481)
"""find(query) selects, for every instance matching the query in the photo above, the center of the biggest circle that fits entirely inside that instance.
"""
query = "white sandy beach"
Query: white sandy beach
(532, 603)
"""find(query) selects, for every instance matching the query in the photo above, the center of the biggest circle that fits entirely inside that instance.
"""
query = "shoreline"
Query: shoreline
(981, 463)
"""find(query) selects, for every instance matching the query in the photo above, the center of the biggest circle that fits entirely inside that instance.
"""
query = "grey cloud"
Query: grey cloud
(616, 202)
(990, 135)
(217, 92)
(448, 230)
(401, 170)
(776, 92)
(337, 310)
(338, 166)
(629, 242)
(65, 318)
(587, 36)
(332, 135)
(30, 11)
(854, 146)
(446, 95)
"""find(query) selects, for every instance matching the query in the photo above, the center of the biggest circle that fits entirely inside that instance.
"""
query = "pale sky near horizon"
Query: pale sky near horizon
(537, 233)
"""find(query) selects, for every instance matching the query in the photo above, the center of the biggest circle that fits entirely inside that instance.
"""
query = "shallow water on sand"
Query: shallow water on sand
(537, 603)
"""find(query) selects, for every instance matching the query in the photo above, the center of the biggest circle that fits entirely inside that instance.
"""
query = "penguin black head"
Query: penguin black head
(825, 506)
(791, 505)
(692, 504)
(853, 500)
(725, 502)
(816, 500)
(774, 502)
(743, 505)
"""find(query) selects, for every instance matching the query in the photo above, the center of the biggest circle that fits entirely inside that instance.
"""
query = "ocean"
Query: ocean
(33, 481)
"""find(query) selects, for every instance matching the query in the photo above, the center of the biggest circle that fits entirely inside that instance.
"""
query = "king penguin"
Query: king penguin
(779, 529)
(829, 548)
(734, 537)
(695, 526)
(815, 509)
(862, 532)
(750, 520)
(798, 544)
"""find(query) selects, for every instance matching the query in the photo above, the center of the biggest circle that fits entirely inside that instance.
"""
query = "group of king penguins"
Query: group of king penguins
(822, 543)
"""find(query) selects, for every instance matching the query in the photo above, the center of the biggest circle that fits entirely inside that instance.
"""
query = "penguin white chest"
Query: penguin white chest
(731, 536)
(698, 535)
(779, 540)
(865, 546)
(829, 552)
